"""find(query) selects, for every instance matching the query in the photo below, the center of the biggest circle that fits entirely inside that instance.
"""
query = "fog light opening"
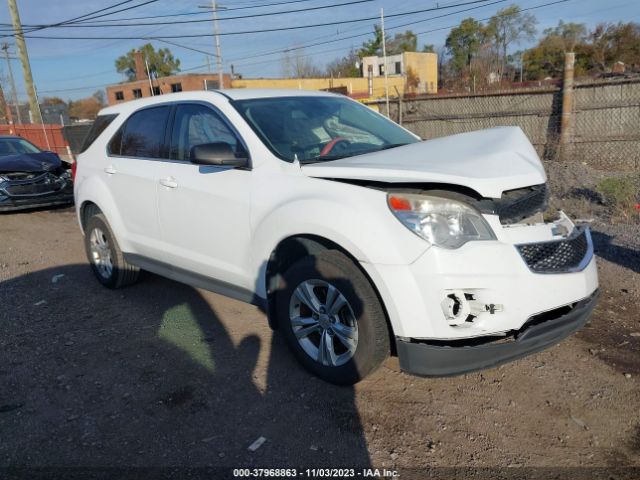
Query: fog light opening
(462, 309)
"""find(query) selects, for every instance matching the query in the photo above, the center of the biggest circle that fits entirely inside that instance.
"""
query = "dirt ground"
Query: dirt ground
(161, 374)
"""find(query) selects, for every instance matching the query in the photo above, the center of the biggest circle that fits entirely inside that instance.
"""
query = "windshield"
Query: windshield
(16, 146)
(312, 129)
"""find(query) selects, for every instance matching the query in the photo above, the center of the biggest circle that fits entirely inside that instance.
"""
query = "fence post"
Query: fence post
(399, 105)
(566, 123)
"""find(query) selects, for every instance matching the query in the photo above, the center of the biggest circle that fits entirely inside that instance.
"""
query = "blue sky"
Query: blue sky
(74, 69)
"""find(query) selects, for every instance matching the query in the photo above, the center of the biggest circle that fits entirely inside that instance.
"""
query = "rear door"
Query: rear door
(204, 210)
(132, 173)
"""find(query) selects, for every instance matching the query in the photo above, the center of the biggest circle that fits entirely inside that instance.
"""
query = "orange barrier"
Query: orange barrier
(46, 137)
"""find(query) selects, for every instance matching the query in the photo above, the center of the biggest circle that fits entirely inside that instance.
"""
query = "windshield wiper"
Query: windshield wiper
(324, 158)
(392, 145)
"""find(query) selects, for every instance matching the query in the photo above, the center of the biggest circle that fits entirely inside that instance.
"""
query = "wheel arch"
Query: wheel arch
(295, 247)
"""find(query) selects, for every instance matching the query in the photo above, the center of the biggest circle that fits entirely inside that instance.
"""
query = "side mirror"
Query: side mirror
(219, 153)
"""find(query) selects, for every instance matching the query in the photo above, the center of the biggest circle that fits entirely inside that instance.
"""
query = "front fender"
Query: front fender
(357, 220)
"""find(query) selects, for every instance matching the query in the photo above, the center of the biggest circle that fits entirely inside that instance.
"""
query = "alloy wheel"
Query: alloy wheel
(323, 322)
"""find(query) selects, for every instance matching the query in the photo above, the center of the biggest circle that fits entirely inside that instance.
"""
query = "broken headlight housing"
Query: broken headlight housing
(440, 221)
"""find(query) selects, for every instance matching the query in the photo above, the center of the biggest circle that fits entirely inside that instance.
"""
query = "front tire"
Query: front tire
(332, 319)
(104, 255)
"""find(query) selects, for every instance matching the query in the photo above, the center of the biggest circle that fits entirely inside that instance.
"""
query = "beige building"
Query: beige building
(419, 70)
(409, 72)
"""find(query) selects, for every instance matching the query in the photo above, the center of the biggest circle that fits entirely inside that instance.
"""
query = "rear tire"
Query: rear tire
(332, 319)
(104, 254)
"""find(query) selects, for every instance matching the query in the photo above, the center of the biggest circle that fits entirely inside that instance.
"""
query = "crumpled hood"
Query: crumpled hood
(488, 161)
(30, 162)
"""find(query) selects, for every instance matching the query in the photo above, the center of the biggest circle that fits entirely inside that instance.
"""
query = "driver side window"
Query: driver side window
(195, 125)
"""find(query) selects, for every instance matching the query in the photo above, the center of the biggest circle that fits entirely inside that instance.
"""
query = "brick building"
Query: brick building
(124, 92)
(141, 87)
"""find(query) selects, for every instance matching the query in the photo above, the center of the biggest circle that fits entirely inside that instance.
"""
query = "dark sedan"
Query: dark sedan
(30, 177)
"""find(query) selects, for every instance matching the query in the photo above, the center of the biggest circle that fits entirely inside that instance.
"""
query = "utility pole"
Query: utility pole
(216, 31)
(24, 58)
(14, 92)
(5, 111)
(384, 60)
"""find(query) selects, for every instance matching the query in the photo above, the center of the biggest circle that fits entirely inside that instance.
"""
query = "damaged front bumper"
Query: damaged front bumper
(541, 331)
(460, 310)
(20, 191)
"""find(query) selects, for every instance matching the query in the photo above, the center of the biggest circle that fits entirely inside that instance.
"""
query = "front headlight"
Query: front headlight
(442, 222)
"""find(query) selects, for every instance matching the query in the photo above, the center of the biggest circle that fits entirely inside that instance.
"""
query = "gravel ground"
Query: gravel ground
(161, 374)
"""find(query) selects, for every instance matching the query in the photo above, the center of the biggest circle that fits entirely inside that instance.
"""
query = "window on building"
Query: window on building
(119, 96)
(197, 125)
(211, 84)
(156, 91)
(142, 135)
(381, 69)
(137, 93)
(398, 68)
(176, 87)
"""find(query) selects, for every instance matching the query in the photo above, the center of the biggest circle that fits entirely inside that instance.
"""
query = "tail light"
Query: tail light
(74, 167)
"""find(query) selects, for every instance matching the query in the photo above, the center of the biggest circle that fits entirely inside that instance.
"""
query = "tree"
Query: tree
(100, 97)
(463, 43)
(295, 64)
(546, 59)
(428, 48)
(510, 25)
(402, 42)
(344, 66)
(374, 46)
(161, 62)
(85, 108)
(52, 101)
(567, 35)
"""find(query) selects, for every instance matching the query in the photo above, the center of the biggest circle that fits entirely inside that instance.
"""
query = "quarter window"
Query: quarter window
(142, 135)
(99, 126)
(197, 125)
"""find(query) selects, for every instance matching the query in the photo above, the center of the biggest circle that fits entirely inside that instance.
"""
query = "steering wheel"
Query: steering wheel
(339, 144)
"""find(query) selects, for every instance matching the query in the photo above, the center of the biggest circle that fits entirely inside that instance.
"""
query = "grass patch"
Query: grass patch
(621, 194)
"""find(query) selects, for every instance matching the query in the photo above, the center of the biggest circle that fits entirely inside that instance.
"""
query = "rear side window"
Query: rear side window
(99, 126)
(142, 135)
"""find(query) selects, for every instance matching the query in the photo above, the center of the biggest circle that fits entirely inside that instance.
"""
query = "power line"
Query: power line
(185, 14)
(90, 15)
(392, 28)
(273, 52)
(268, 30)
(206, 20)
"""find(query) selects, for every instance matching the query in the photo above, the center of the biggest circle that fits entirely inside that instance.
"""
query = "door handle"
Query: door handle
(110, 170)
(168, 182)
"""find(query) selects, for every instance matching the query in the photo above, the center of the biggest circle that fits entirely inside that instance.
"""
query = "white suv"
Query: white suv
(357, 239)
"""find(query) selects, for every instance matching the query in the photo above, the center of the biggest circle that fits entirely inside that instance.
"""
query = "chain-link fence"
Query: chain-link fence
(605, 129)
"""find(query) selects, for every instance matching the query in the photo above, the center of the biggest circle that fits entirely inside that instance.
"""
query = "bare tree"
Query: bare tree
(295, 64)
(510, 26)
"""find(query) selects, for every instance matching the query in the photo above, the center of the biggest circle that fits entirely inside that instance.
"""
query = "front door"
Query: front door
(204, 210)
